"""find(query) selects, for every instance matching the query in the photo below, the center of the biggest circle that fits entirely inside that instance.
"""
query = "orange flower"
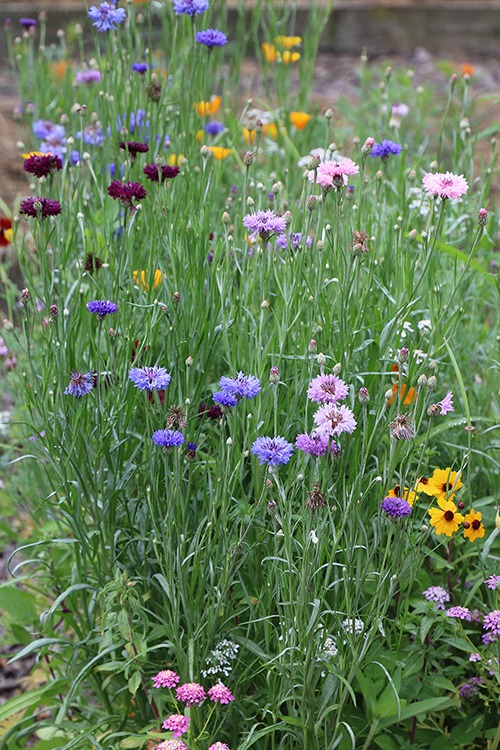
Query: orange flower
(269, 130)
(59, 68)
(473, 528)
(405, 399)
(209, 108)
(468, 69)
(249, 135)
(6, 235)
(288, 42)
(445, 520)
(219, 152)
(141, 278)
(290, 57)
(299, 119)
(271, 54)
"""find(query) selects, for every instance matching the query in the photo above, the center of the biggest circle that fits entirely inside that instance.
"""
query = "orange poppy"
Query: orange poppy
(209, 108)
(219, 152)
(299, 119)
(406, 398)
(468, 69)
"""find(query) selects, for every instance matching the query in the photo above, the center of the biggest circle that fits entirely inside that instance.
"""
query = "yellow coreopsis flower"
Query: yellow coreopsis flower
(299, 119)
(445, 519)
(219, 151)
(424, 484)
(409, 495)
(444, 483)
(209, 108)
(473, 528)
(288, 42)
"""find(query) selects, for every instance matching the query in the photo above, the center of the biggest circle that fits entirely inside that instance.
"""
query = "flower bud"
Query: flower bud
(311, 202)
(189, 361)
(313, 347)
(363, 395)
(248, 159)
(337, 369)
(25, 295)
(274, 375)
(482, 217)
(226, 218)
(432, 382)
(368, 145)
(403, 354)
(422, 381)
(321, 359)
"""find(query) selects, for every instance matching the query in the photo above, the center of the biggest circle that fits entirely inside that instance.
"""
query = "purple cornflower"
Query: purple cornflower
(28, 23)
(272, 451)
(88, 76)
(385, 149)
(134, 147)
(126, 192)
(315, 444)
(92, 135)
(214, 127)
(332, 419)
(168, 438)
(446, 404)
(264, 223)
(40, 207)
(166, 679)
(327, 389)
(224, 399)
(141, 67)
(42, 166)
(491, 623)
(211, 38)
(156, 173)
(80, 384)
(242, 386)
(45, 130)
(190, 7)
(293, 242)
(468, 690)
(493, 582)
(102, 307)
(220, 694)
(149, 378)
(437, 594)
(460, 613)
(191, 693)
(177, 723)
(395, 507)
(106, 16)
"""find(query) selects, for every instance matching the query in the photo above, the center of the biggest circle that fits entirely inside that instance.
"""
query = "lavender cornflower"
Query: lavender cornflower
(265, 224)
(92, 135)
(149, 378)
(460, 613)
(385, 149)
(190, 7)
(80, 384)
(493, 582)
(40, 207)
(46, 130)
(491, 623)
(437, 594)
(327, 389)
(211, 38)
(168, 438)
(156, 173)
(468, 690)
(272, 451)
(106, 16)
(242, 386)
(315, 444)
(395, 507)
(166, 679)
(475, 657)
(177, 723)
(332, 419)
(88, 76)
(101, 308)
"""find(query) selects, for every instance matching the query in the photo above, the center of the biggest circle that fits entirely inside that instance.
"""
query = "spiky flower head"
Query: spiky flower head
(445, 185)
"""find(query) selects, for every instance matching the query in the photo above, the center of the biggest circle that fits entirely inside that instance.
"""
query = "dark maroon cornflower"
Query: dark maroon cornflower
(134, 147)
(153, 172)
(42, 165)
(212, 411)
(40, 207)
(126, 192)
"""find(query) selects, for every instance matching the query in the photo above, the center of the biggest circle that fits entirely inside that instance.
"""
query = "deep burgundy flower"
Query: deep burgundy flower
(153, 172)
(43, 207)
(134, 147)
(126, 192)
(42, 165)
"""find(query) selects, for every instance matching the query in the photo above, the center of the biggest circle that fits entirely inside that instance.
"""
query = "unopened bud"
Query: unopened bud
(329, 114)
(422, 381)
(432, 382)
(264, 304)
(53, 312)
(176, 297)
(482, 217)
(368, 145)
(226, 218)
(311, 202)
(403, 354)
(412, 235)
(205, 151)
(313, 347)
(321, 359)
(189, 361)
(25, 295)
(363, 395)
(433, 410)
(274, 375)
(248, 159)
(337, 369)
(314, 162)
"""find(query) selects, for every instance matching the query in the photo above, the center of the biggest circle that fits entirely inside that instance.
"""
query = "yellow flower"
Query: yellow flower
(473, 528)
(209, 108)
(299, 119)
(140, 278)
(249, 135)
(175, 160)
(219, 152)
(424, 484)
(269, 130)
(287, 42)
(290, 57)
(445, 519)
(35, 153)
(444, 483)
(409, 495)
(271, 54)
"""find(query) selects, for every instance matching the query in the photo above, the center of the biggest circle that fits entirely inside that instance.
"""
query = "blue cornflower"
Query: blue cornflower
(93, 135)
(395, 507)
(80, 384)
(141, 67)
(149, 378)
(224, 399)
(385, 149)
(190, 7)
(214, 127)
(106, 16)
(272, 451)
(211, 38)
(168, 438)
(242, 386)
(102, 307)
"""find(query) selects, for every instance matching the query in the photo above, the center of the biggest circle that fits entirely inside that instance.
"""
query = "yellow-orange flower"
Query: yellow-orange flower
(175, 160)
(409, 495)
(473, 528)
(290, 57)
(406, 398)
(424, 484)
(140, 278)
(299, 119)
(35, 153)
(270, 130)
(445, 519)
(219, 151)
(209, 108)
(288, 42)
(271, 54)
(444, 483)
(468, 69)
(249, 135)
(59, 68)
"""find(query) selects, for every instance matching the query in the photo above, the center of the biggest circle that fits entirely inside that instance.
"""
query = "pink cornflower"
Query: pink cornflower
(446, 404)
(220, 694)
(219, 746)
(447, 185)
(190, 693)
(333, 420)
(177, 723)
(334, 173)
(327, 389)
(166, 679)
(172, 745)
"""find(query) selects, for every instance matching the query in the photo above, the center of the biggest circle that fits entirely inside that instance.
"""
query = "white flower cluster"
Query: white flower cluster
(219, 660)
